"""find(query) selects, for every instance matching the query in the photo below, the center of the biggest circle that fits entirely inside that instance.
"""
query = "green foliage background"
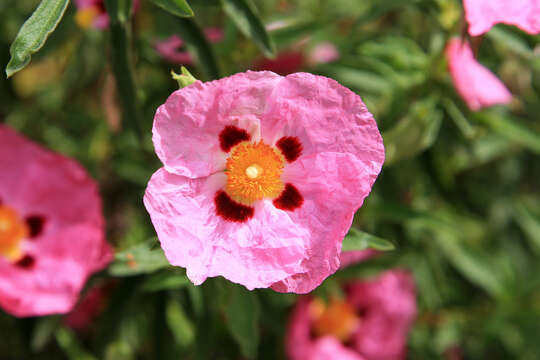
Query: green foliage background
(458, 195)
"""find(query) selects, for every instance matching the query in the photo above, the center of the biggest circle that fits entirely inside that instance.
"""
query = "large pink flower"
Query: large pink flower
(92, 13)
(371, 323)
(51, 228)
(262, 175)
(483, 14)
(478, 86)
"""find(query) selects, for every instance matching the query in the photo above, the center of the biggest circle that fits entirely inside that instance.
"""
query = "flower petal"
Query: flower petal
(483, 14)
(478, 86)
(267, 248)
(333, 186)
(186, 128)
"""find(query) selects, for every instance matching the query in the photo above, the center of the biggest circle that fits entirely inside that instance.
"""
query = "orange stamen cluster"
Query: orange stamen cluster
(337, 319)
(254, 172)
(12, 231)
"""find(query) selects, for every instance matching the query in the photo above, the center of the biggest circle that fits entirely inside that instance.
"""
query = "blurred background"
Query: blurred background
(458, 195)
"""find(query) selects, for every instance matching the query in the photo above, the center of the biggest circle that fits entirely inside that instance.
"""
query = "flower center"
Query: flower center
(254, 172)
(12, 231)
(337, 319)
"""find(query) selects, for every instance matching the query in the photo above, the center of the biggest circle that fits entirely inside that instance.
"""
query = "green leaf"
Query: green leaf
(44, 330)
(358, 79)
(242, 312)
(181, 327)
(512, 130)
(184, 79)
(244, 14)
(142, 258)
(414, 133)
(68, 342)
(176, 7)
(359, 240)
(34, 32)
(529, 220)
(166, 280)
(198, 45)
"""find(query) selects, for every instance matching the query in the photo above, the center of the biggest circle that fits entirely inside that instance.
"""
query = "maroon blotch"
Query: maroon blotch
(290, 146)
(26, 262)
(289, 199)
(231, 136)
(230, 210)
(35, 225)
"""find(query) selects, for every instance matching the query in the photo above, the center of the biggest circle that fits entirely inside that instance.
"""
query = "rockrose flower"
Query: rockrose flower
(92, 13)
(370, 323)
(172, 50)
(478, 86)
(262, 175)
(89, 307)
(483, 14)
(51, 228)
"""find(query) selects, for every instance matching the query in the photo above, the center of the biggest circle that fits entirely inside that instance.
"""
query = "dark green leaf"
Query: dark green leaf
(68, 342)
(359, 240)
(199, 46)
(181, 327)
(242, 312)
(175, 7)
(139, 259)
(166, 280)
(244, 14)
(44, 330)
(34, 32)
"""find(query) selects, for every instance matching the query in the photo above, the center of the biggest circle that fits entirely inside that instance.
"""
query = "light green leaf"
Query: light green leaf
(175, 7)
(358, 79)
(34, 32)
(512, 130)
(414, 133)
(181, 327)
(142, 258)
(184, 78)
(199, 46)
(359, 240)
(242, 312)
(245, 16)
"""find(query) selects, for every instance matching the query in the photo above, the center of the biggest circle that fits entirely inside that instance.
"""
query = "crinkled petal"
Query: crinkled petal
(326, 117)
(267, 248)
(333, 186)
(483, 14)
(186, 128)
(478, 86)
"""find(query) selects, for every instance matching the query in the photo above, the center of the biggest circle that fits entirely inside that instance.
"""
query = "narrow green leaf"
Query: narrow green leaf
(199, 46)
(68, 342)
(43, 332)
(34, 32)
(529, 220)
(242, 312)
(244, 14)
(176, 7)
(139, 259)
(359, 240)
(512, 130)
(165, 280)
(181, 327)
(414, 133)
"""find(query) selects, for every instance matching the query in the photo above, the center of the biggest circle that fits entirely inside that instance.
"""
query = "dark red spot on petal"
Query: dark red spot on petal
(290, 146)
(26, 262)
(289, 199)
(231, 136)
(230, 210)
(35, 224)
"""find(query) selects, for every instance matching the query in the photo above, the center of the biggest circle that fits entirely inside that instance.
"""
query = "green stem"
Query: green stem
(122, 66)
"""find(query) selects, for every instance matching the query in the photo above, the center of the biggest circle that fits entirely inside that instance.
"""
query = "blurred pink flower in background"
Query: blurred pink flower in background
(262, 176)
(92, 13)
(172, 50)
(322, 53)
(90, 305)
(51, 228)
(483, 14)
(478, 86)
(352, 257)
(371, 323)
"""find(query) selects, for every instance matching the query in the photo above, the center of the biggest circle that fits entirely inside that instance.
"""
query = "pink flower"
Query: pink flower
(352, 257)
(262, 175)
(483, 14)
(171, 48)
(323, 53)
(51, 228)
(371, 323)
(478, 86)
(92, 13)
(88, 308)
